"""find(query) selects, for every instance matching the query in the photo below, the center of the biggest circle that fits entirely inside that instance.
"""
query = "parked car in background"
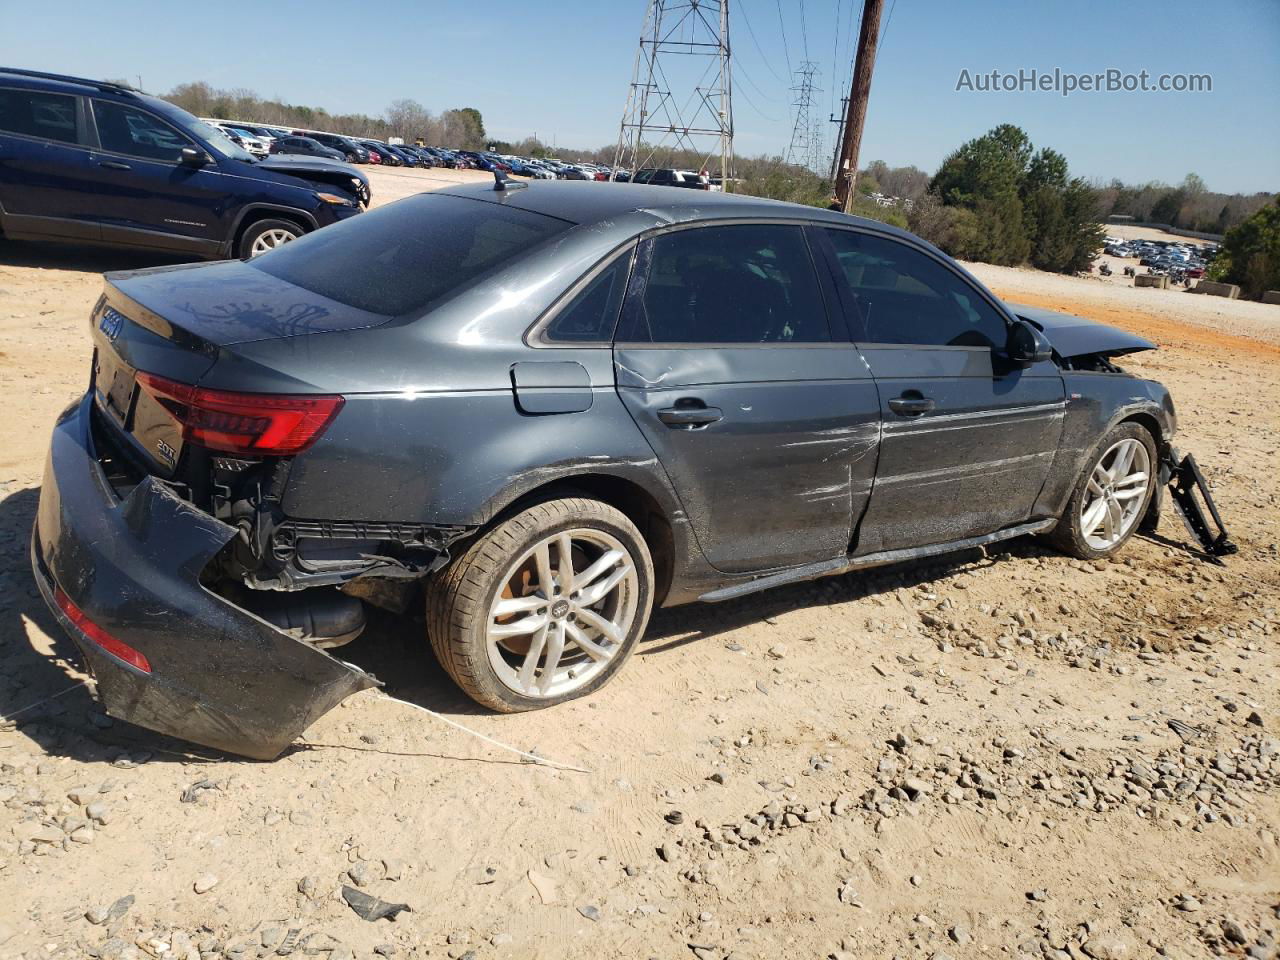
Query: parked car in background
(487, 161)
(85, 161)
(407, 158)
(386, 156)
(250, 141)
(351, 151)
(667, 177)
(304, 146)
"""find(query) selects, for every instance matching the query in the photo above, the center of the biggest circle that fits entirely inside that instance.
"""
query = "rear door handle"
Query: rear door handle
(911, 406)
(114, 165)
(690, 417)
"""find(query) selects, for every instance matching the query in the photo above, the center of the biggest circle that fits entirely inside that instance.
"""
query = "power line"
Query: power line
(785, 48)
(887, 20)
(759, 49)
(835, 52)
(804, 30)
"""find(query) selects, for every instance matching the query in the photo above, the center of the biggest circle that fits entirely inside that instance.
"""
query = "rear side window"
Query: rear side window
(747, 283)
(591, 316)
(904, 296)
(136, 133)
(32, 113)
(400, 258)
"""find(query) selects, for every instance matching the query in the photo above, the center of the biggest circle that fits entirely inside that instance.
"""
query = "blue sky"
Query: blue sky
(561, 69)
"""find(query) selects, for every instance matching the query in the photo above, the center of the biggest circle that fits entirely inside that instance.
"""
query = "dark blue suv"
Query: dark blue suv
(84, 161)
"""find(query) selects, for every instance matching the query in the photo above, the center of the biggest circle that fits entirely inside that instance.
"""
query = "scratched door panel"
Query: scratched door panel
(973, 463)
(784, 472)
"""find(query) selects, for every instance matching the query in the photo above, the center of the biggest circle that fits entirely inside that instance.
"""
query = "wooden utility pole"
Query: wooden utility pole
(859, 94)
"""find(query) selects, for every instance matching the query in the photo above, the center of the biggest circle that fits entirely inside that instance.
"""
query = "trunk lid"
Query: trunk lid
(233, 302)
(175, 322)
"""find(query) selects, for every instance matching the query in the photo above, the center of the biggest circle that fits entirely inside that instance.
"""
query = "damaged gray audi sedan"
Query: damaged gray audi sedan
(541, 413)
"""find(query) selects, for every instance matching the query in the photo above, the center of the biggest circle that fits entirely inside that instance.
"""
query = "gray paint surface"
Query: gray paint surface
(452, 415)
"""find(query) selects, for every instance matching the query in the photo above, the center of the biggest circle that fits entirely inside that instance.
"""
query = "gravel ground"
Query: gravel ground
(1008, 754)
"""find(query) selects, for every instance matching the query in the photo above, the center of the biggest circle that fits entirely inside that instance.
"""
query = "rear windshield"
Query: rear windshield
(399, 259)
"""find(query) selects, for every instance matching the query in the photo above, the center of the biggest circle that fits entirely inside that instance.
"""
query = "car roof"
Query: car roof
(583, 202)
(59, 83)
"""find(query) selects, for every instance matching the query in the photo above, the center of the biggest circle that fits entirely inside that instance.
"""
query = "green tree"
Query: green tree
(1004, 202)
(985, 176)
(478, 120)
(1250, 254)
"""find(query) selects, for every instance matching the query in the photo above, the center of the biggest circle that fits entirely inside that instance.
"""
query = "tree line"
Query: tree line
(461, 128)
(1189, 205)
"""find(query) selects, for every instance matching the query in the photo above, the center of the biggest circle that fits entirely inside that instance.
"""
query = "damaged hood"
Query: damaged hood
(1074, 336)
(318, 170)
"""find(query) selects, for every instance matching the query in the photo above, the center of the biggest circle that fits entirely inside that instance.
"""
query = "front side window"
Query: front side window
(32, 113)
(591, 316)
(136, 133)
(745, 283)
(902, 295)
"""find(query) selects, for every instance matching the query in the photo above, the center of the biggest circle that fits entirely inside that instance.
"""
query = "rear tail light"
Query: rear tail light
(117, 648)
(265, 424)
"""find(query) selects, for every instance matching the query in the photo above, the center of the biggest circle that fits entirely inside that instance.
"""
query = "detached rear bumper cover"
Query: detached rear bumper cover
(219, 675)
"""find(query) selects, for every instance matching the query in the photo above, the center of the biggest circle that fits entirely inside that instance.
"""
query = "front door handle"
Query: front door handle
(911, 404)
(114, 165)
(690, 417)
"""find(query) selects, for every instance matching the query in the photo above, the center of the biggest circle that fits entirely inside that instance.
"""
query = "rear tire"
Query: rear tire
(1111, 496)
(586, 618)
(264, 235)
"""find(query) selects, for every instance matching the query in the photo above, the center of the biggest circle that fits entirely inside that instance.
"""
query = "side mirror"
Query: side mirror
(1027, 345)
(191, 157)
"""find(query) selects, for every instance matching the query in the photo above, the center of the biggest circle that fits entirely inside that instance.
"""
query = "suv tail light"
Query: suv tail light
(264, 424)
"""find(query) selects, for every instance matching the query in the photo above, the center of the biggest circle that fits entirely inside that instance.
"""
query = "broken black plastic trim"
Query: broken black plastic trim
(1185, 479)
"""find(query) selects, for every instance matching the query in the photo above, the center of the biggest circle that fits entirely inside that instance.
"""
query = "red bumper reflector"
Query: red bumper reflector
(117, 648)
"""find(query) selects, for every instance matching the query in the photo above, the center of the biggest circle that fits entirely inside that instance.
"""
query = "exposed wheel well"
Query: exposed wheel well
(1150, 423)
(632, 499)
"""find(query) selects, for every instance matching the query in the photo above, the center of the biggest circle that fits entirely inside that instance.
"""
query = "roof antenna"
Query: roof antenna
(502, 183)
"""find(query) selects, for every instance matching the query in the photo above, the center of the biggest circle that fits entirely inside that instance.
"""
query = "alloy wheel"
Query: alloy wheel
(269, 240)
(1115, 494)
(562, 613)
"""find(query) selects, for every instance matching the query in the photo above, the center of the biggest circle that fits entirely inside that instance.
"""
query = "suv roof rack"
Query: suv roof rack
(63, 78)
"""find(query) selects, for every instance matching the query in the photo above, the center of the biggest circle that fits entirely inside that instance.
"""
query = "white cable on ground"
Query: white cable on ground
(32, 706)
(531, 757)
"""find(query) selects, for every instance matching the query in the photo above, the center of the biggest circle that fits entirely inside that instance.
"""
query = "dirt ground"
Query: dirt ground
(1002, 755)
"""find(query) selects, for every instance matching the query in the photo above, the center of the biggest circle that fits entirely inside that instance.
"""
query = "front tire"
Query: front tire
(265, 235)
(1112, 495)
(544, 608)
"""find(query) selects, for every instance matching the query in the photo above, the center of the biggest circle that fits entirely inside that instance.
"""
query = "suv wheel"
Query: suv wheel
(1112, 495)
(266, 235)
(545, 607)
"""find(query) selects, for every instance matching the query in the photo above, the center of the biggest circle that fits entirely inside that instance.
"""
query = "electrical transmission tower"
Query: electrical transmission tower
(681, 96)
(806, 134)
